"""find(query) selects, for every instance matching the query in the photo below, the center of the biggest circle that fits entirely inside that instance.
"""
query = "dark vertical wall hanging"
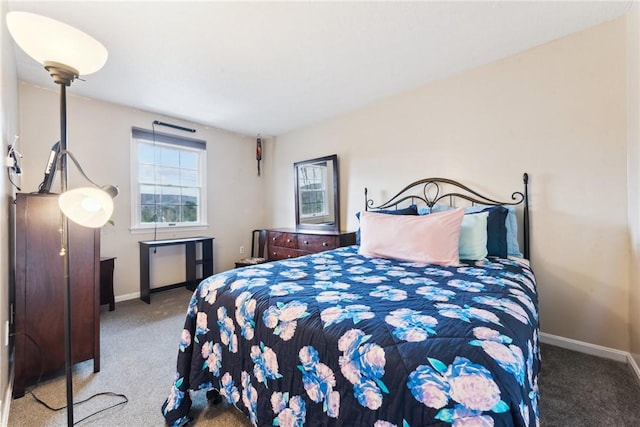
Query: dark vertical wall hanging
(259, 152)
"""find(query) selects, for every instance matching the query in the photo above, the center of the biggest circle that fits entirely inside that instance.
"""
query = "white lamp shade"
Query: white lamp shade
(45, 39)
(89, 207)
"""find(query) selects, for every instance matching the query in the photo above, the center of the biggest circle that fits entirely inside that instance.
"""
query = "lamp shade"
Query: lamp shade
(87, 206)
(47, 40)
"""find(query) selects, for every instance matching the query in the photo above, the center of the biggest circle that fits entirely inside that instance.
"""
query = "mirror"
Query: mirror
(317, 198)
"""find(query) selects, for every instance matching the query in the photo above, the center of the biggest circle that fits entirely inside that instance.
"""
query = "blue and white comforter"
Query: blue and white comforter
(340, 339)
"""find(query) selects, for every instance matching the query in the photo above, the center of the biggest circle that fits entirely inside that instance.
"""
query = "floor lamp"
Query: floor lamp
(66, 53)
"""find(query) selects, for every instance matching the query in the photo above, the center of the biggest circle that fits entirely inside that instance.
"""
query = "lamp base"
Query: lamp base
(61, 73)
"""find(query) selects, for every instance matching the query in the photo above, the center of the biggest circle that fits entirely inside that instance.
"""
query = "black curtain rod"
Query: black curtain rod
(156, 122)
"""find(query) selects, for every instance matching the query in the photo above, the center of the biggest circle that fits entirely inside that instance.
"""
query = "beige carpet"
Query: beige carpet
(139, 345)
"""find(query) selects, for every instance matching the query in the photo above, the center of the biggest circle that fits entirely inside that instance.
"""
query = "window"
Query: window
(168, 180)
(313, 190)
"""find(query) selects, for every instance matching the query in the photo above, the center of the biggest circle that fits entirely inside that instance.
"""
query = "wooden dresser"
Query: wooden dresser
(286, 243)
(39, 297)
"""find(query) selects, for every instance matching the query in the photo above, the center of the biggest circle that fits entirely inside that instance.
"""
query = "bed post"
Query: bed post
(525, 179)
(366, 205)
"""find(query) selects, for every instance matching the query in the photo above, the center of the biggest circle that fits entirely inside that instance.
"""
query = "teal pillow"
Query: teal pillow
(473, 236)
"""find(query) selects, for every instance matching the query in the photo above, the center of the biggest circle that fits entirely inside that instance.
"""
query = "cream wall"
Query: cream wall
(99, 136)
(557, 112)
(8, 130)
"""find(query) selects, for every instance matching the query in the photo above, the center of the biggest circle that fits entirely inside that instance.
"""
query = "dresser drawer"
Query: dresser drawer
(317, 243)
(285, 240)
(285, 243)
(279, 252)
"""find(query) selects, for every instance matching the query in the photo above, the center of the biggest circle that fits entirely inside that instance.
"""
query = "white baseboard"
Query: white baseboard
(592, 349)
(585, 347)
(127, 297)
(634, 366)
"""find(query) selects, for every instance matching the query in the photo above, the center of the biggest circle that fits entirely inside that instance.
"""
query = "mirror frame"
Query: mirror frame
(335, 226)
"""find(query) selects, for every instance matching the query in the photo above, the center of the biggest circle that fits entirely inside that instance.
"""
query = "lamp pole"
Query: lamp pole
(63, 76)
(65, 247)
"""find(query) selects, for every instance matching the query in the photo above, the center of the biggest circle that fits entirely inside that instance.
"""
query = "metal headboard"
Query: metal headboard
(430, 191)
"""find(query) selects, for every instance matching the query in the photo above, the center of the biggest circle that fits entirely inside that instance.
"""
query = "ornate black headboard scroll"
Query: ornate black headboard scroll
(430, 191)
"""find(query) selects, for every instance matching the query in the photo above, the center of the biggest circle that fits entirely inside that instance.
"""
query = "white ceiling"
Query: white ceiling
(271, 67)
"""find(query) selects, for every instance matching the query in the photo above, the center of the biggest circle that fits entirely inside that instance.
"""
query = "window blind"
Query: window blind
(183, 141)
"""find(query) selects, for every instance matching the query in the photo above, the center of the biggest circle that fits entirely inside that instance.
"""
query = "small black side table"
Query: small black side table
(206, 261)
(106, 282)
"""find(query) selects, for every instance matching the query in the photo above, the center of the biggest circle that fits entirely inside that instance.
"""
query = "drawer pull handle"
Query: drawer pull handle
(325, 244)
(288, 256)
(306, 242)
(288, 240)
(275, 253)
(273, 238)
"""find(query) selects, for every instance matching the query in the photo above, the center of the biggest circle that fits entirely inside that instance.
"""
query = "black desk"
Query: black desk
(190, 266)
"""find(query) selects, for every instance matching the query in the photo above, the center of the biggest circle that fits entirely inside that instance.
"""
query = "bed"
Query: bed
(344, 337)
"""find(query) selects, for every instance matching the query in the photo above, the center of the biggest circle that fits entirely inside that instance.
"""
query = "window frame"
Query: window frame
(323, 190)
(138, 136)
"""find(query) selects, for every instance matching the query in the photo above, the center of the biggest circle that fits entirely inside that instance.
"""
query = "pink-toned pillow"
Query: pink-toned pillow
(427, 239)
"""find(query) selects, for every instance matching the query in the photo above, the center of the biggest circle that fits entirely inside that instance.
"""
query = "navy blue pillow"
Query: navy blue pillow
(497, 231)
(411, 210)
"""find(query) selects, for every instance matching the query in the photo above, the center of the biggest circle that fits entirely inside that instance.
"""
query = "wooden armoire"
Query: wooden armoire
(39, 291)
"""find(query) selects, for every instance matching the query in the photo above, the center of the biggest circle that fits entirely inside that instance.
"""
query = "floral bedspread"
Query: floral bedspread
(340, 339)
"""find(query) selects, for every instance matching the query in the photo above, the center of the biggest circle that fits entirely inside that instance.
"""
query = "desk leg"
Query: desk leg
(190, 267)
(144, 274)
(207, 258)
